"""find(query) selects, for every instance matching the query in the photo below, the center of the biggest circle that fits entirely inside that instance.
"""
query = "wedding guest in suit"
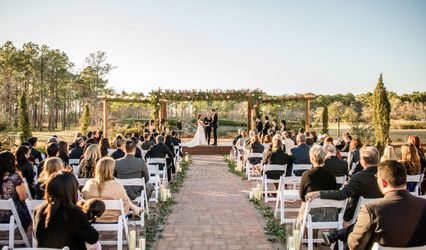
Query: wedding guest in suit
(377, 221)
(300, 154)
(274, 127)
(214, 126)
(77, 150)
(207, 127)
(353, 156)
(266, 126)
(161, 150)
(148, 143)
(362, 184)
(332, 163)
(132, 167)
(34, 152)
(119, 152)
(276, 155)
(25, 166)
(60, 222)
(259, 126)
(87, 165)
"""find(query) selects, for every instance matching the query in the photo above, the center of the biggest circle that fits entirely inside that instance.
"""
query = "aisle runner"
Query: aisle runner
(212, 212)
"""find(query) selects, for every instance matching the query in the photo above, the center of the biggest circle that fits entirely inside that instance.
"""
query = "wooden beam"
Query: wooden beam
(249, 115)
(105, 117)
(308, 114)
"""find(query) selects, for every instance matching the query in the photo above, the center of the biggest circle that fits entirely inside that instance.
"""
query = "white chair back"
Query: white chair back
(32, 205)
(82, 181)
(14, 222)
(266, 180)
(275, 167)
(344, 155)
(75, 164)
(376, 246)
(143, 152)
(35, 248)
(300, 167)
(138, 182)
(157, 162)
(416, 179)
(110, 151)
(340, 179)
(362, 201)
(27, 188)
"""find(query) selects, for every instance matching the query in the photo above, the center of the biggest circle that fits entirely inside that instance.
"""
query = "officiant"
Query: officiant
(207, 127)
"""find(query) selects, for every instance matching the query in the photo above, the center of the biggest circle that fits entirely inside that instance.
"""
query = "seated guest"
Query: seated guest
(132, 167)
(255, 147)
(377, 222)
(353, 157)
(175, 140)
(104, 146)
(267, 138)
(362, 184)
(59, 222)
(288, 142)
(276, 156)
(309, 140)
(87, 165)
(388, 154)
(104, 187)
(247, 142)
(315, 179)
(77, 135)
(12, 187)
(63, 152)
(329, 140)
(77, 150)
(34, 152)
(237, 137)
(411, 161)
(415, 140)
(52, 150)
(119, 152)
(51, 166)
(148, 143)
(300, 154)
(161, 150)
(347, 141)
(25, 166)
(332, 163)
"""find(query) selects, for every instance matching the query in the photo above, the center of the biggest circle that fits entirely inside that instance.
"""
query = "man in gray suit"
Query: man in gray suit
(130, 167)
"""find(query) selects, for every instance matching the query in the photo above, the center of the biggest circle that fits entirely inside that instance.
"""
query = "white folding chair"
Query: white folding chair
(110, 151)
(27, 188)
(340, 179)
(266, 147)
(266, 181)
(158, 162)
(250, 168)
(416, 179)
(117, 226)
(310, 225)
(154, 178)
(143, 152)
(82, 181)
(344, 155)
(362, 201)
(287, 195)
(300, 167)
(14, 222)
(32, 205)
(137, 182)
(376, 246)
(75, 164)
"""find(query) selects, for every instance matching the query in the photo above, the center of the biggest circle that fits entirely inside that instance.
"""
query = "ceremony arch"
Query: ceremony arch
(159, 99)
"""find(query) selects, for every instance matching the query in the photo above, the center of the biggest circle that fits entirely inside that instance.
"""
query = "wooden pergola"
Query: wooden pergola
(160, 98)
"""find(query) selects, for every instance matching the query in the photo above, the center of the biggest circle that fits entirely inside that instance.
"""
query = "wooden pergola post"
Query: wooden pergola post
(249, 115)
(308, 114)
(105, 117)
(163, 110)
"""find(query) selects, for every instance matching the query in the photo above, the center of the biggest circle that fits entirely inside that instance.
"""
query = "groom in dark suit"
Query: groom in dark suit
(214, 126)
(207, 127)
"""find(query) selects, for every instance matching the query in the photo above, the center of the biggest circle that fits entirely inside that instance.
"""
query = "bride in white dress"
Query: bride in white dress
(199, 137)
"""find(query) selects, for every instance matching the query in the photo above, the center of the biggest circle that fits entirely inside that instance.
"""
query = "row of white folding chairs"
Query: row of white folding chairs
(13, 224)
(157, 176)
(118, 226)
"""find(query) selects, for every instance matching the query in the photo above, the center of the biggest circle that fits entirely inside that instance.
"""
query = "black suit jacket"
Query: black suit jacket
(131, 167)
(336, 166)
(76, 153)
(398, 220)
(146, 145)
(363, 184)
(259, 126)
(159, 150)
(117, 154)
(214, 121)
(266, 128)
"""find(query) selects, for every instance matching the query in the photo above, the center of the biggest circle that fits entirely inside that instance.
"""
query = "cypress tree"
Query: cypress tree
(24, 120)
(381, 114)
(85, 119)
(325, 120)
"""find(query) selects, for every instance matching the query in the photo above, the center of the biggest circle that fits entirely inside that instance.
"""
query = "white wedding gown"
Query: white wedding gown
(199, 137)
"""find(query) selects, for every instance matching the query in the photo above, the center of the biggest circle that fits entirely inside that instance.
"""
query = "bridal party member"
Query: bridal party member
(199, 137)
(214, 125)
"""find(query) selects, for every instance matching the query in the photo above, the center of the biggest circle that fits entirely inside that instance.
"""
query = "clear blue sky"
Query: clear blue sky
(282, 47)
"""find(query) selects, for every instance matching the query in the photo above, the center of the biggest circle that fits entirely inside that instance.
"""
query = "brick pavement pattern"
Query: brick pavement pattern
(213, 212)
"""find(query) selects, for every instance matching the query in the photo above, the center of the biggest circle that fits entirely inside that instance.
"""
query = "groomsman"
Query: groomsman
(214, 126)
(266, 127)
(259, 125)
(207, 127)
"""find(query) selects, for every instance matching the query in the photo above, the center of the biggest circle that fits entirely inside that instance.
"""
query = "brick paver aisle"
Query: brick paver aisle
(213, 212)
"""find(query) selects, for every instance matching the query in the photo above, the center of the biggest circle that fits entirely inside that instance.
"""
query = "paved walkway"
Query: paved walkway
(213, 212)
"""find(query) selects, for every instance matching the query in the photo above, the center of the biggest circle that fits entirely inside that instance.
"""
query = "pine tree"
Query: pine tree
(381, 114)
(85, 119)
(325, 120)
(24, 120)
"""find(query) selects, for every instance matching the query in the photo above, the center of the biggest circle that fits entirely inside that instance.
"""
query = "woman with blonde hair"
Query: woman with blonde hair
(410, 159)
(388, 154)
(51, 165)
(104, 187)
(87, 165)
